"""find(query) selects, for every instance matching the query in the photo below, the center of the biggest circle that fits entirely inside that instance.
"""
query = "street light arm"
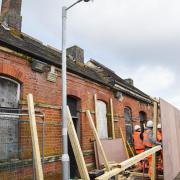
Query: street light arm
(73, 4)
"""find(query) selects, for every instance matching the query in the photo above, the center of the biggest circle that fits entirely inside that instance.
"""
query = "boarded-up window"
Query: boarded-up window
(9, 96)
(102, 119)
(128, 124)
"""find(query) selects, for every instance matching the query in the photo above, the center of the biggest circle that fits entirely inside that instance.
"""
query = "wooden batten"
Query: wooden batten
(112, 118)
(77, 148)
(88, 114)
(128, 163)
(34, 135)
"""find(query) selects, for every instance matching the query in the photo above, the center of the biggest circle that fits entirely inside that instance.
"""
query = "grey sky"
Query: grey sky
(138, 39)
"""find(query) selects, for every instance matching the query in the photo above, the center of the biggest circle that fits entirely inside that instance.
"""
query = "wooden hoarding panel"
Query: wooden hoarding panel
(170, 118)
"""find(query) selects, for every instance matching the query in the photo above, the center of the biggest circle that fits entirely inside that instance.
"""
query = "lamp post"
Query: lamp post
(65, 156)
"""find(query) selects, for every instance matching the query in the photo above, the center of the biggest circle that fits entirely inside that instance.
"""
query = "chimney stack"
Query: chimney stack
(130, 81)
(76, 53)
(11, 13)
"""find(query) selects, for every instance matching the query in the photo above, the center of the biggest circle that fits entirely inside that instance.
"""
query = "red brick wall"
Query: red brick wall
(48, 93)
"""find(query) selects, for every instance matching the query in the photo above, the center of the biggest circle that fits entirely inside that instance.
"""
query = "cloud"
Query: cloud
(153, 79)
(138, 39)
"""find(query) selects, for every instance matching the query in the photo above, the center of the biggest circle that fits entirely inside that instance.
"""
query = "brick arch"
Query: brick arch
(74, 93)
(12, 72)
(128, 104)
(102, 97)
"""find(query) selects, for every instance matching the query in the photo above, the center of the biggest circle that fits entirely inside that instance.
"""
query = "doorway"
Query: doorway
(73, 104)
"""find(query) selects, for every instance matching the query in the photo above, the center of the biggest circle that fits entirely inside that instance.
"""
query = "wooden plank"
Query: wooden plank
(170, 119)
(128, 163)
(34, 135)
(130, 148)
(96, 112)
(112, 118)
(124, 142)
(155, 118)
(76, 148)
(137, 174)
(97, 140)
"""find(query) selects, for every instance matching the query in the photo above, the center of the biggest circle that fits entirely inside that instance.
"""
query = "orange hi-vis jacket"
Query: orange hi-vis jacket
(159, 136)
(146, 140)
(138, 142)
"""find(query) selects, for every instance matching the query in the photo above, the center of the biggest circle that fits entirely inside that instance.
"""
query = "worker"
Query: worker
(138, 139)
(149, 141)
(138, 144)
(159, 154)
(159, 133)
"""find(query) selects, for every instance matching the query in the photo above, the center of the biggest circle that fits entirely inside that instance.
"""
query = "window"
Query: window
(128, 124)
(102, 119)
(9, 98)
(142, 116)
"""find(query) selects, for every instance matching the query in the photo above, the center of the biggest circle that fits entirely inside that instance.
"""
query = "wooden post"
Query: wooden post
(124, 142)
(112, 118)
(34, 135)
(155, 117)
(96, 112)
(97, 140)
(76, 148)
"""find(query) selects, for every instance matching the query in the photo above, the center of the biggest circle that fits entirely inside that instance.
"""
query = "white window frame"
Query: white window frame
(103, 129)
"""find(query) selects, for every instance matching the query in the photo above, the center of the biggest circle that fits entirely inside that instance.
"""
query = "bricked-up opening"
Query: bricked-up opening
(11, 13)
(74, 106)
(9, 98)
(128, 124)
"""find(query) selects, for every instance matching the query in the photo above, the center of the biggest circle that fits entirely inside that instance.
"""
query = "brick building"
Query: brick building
(27, 66)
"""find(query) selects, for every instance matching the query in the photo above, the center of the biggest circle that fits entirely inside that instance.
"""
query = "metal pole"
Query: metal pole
(65, 156)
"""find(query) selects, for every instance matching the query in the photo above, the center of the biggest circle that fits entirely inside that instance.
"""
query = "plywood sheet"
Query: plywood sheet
(114, 151)
(170, 118)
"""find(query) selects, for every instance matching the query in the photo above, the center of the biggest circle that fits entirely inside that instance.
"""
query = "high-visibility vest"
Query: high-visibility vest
(138, 143)
(146, 140)
(159, 136)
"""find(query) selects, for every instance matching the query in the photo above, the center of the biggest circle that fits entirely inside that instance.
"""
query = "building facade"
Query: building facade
(27, 66)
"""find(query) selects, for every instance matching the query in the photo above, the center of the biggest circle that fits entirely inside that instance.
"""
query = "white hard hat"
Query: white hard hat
(136, 127)
(159, 126)
(149, 124)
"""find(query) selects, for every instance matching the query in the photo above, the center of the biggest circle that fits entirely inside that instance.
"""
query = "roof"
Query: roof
(33, 48)
(25, 44)
(116, 81)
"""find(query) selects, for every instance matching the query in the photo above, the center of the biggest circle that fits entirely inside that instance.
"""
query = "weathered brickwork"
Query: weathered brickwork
(47, 97)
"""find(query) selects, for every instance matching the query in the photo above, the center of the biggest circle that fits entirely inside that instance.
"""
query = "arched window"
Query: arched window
(102, 119)
(9, 98)
(128, 124)
(9, 93)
